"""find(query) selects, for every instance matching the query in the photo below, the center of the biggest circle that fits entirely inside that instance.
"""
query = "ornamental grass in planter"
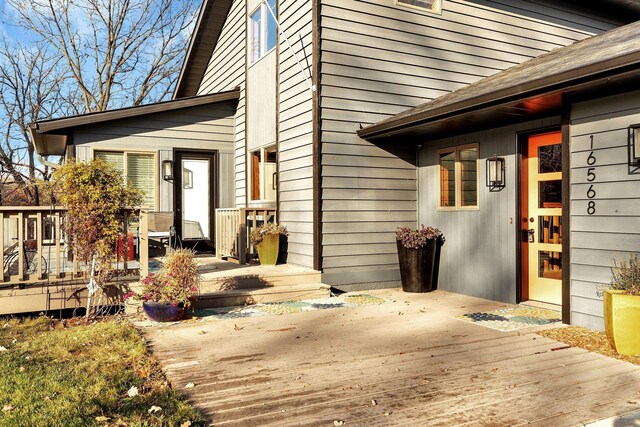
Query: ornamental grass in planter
(419, 257)
(621, 299)
(267, 240)
(166, 295)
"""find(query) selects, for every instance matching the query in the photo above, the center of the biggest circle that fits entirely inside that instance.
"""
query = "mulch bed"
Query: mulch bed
(587, 339)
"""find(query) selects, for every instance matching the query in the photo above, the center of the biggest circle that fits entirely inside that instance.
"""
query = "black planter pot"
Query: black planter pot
(419, 267)
(163, 312)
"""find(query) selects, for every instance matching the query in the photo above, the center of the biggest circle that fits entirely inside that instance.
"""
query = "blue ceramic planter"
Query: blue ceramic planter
(163, 312)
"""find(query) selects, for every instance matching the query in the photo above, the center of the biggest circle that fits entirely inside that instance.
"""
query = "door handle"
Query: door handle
(531, 235)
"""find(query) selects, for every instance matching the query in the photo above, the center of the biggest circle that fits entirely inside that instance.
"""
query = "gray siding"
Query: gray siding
(295, 131)
(226, 71)
(378, 59)
(479, 255)
(208, 127)
(613, 231)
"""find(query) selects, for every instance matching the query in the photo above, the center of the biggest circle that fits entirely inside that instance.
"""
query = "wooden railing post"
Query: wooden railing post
(20, 245)
(125, 241)
(39, 235)
(56, 219)
(2, 278)
(144, 243)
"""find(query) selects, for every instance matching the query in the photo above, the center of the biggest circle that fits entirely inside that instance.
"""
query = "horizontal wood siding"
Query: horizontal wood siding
(226, 71)
(613, 229)
(378, 59)
(479, 256)
(209, 127)
(295, 131)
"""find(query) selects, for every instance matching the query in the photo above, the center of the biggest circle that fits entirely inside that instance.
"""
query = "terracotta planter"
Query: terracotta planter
(419, 267)
(621, 320)
(163, 312)
(268, 249)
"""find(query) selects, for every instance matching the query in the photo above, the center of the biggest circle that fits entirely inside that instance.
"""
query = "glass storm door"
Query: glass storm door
(542, 219)
(195, 195)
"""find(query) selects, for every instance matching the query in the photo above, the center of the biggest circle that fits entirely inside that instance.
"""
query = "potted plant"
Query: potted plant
(621, 298)
(166, 295)
(267, 239)
(419, 257)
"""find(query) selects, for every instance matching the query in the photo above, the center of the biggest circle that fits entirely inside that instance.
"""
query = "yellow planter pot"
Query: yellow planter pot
(621, 320)
(268, 249)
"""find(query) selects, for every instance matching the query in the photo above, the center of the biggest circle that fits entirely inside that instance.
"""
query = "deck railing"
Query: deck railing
(233, 227)
(34, 249)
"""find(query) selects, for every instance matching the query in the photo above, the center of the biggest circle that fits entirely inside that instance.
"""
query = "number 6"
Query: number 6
(591, 193)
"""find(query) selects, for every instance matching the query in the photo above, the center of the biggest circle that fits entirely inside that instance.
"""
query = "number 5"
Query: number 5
(591, 174)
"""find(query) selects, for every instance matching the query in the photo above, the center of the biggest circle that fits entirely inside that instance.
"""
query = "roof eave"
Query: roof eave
(567, 79)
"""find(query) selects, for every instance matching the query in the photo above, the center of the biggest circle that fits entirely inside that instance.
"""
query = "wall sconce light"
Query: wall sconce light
(167, 170)
(634, 145)
(495, 173)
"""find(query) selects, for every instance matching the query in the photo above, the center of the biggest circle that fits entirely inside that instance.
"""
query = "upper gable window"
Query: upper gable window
(434, 6)
(263, 29)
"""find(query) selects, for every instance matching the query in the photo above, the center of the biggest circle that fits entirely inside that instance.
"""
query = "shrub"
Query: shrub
(625, 277)
(416, 238)
(177, 282)
(268, 228)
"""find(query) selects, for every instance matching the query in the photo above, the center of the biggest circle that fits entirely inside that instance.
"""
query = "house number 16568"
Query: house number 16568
(591, 176)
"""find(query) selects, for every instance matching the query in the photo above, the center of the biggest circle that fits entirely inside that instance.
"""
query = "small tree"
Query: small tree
(95, 197)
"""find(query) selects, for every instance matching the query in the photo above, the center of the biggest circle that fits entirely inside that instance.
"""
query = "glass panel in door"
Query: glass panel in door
(542, 217)
(195, 199)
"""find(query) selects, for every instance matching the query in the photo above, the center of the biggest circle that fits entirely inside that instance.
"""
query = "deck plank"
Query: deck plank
(409, 356)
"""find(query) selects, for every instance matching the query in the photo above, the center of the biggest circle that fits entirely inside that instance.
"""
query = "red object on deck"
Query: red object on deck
(130, 248)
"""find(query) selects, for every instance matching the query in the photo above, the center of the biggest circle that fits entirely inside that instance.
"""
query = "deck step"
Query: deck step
(238, 297)
(224, 281)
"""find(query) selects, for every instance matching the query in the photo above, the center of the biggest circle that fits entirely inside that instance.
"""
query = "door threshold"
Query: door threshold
(541, 304)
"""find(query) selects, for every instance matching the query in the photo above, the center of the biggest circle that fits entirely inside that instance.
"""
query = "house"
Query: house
(354, 117)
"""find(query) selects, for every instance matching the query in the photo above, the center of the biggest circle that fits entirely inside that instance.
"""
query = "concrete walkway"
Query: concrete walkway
(405, 362)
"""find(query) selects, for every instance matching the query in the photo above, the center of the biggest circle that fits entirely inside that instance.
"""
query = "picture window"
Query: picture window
(263, 30)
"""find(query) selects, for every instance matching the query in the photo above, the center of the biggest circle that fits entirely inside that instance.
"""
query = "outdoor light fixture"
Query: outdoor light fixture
(167, 170)
(495, 173)
(634, 145)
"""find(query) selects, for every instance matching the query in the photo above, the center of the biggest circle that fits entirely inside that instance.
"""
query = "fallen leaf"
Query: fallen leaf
(186, 424)
(280, 330)
(338, 423)
(386, 414)
(190, 385)
(102, 419)
(2, 348)
(22, 369)
(133, 391)
(237, 328)
(374, 402)
(7, 408)
(154, 409)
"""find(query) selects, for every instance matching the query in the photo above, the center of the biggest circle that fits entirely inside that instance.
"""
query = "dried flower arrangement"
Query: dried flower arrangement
(412, 238)
(268, 228)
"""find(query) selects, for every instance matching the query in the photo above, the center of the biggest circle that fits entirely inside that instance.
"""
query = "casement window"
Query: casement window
(264, 177)
(263, 29)
(458, 178)
(434, 6)
(138, 170)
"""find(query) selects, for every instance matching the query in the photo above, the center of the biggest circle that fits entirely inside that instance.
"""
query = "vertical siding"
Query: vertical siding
(479, 255)
(226, 71)
(378, 59)
(209, 127)
(261, 106)
(613, 231)
(295, 131)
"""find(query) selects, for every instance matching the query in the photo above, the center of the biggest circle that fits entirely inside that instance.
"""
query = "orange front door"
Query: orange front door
(541, 219)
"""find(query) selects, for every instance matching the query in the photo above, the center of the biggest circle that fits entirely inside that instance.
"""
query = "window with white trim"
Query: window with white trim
(138, 170)
(264, 176)
(263, 29)
(434, 6)
(458, 178)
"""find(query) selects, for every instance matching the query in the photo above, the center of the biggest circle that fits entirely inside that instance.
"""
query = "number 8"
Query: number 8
(591, 209)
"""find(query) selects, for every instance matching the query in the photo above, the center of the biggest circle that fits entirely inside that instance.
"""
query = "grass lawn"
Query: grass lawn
(83, 375)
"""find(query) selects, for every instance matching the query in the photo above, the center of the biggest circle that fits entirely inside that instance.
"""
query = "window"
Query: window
(434, 6)
(264, 177)
(138, 170)
(263, 29)
(458, 178)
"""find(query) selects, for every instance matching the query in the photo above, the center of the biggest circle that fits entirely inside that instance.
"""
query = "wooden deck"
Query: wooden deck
(405, 362)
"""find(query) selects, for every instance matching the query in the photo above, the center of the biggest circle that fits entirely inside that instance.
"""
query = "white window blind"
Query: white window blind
(138, 170)
(140, 174)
